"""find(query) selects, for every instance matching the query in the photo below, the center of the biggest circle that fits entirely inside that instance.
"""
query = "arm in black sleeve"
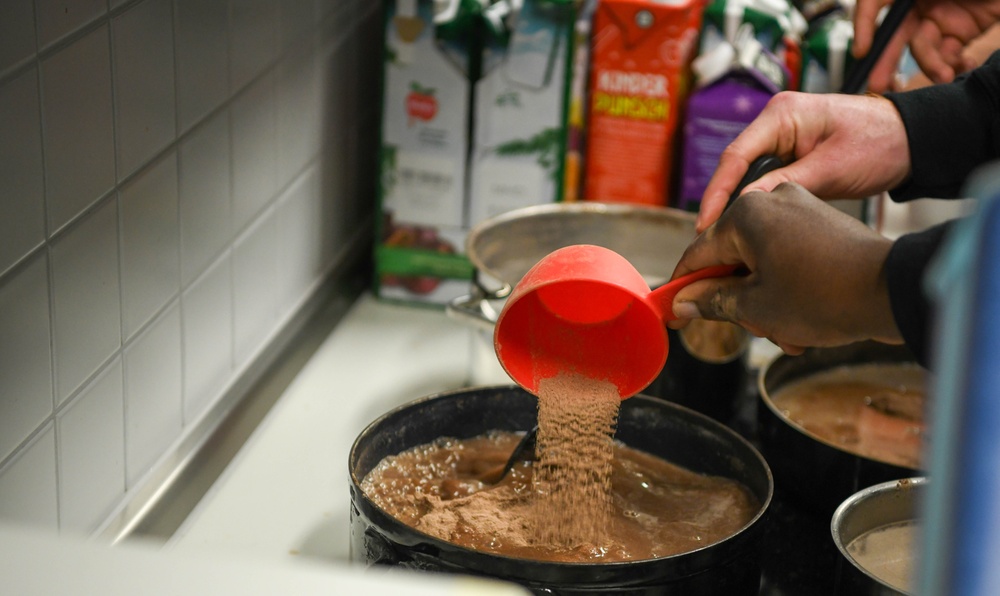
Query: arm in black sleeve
(951, 129)
(905, 267)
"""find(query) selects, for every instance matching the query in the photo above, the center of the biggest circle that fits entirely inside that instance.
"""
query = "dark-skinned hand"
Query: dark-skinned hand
(814, 275)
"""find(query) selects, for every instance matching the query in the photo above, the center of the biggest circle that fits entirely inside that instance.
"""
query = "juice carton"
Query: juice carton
(474, 100)
(519, 130)
(641, 54)
(733, 83)
(826, 55)
(777, 24)
(427, 86)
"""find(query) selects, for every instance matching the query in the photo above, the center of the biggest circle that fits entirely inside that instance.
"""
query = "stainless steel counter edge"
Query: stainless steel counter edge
(172, 490)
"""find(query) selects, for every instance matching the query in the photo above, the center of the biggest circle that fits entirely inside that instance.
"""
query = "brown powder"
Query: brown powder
(572, 480)
(658, 508)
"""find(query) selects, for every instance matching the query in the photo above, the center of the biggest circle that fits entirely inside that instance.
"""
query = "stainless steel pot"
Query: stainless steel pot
(870, 509)
(502, 249)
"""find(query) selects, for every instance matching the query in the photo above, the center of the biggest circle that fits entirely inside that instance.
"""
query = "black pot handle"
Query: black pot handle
(378, 550)
(758, 167)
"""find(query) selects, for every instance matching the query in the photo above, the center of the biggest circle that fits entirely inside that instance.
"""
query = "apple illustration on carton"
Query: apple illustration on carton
(420, 103)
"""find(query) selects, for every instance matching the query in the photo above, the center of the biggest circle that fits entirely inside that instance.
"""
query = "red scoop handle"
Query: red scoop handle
(663, 297)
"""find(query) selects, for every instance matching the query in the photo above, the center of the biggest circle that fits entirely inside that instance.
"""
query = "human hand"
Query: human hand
(837, 146)
(815, 274)
(937, 32)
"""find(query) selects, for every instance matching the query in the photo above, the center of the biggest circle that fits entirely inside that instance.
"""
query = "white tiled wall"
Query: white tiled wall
(176, 178)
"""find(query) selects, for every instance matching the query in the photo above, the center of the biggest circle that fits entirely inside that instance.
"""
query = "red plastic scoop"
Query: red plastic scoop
(585, 309)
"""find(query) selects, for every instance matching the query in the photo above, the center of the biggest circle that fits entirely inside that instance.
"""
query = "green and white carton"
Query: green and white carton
(473, 125)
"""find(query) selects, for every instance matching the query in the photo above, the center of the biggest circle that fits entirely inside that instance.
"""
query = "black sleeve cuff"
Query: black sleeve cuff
(905, 267)
(951, 129)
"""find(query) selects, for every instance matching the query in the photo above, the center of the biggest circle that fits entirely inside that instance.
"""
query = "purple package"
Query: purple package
(716, 114)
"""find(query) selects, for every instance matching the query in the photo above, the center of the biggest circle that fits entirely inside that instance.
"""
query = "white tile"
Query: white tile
(207, 308)
(153, 418)
(298, 111)
(297, 19)
(144, 82)
(17, 32)
(254, 151)
(253, 37)
(300, 226)
(205, 198)
(150, 240)
(57, 18)
(86, 299)
(22, 210)
(25, 353)
(28, 484)
(254, 292)
(336, 66)
(77, 117)
(91, 451)
(202, 50)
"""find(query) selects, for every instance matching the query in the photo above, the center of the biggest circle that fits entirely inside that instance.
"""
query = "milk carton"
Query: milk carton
(733, 84)
(473, 125)
(519, 130)
(826, 54)
(777, 24)
(430, 58)
(640, 60)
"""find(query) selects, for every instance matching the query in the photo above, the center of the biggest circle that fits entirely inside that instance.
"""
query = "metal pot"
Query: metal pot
(502, 249)
(817, 474)
(869, 509)
(655, 426)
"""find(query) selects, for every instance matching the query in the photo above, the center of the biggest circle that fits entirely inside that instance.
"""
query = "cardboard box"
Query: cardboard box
(639, 79)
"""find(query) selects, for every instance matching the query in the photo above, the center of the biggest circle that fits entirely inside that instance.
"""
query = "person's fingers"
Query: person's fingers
(865, 13)
(716, 203)
(766, 135)
(925, 47)
(711, 247)
(715, 299)
(790, 349)
(723, 182)
(952, 22)
(884, 72)
(951, 51)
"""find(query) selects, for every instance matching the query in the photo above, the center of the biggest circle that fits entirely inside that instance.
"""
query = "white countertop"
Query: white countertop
(286, 494)
(278, 521)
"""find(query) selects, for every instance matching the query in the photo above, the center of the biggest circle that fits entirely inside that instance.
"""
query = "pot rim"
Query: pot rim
(585, 207)
(737, 536)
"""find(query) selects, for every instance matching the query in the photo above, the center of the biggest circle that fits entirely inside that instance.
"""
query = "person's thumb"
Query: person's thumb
(715, 299)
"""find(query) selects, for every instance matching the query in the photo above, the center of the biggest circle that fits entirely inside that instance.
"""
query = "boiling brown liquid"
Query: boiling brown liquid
(657, 508)
(872, 410)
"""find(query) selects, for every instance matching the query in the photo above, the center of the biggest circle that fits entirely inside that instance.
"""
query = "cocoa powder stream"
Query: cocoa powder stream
(572, 480)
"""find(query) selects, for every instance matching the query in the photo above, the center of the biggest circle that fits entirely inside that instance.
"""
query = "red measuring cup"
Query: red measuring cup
(585, 309)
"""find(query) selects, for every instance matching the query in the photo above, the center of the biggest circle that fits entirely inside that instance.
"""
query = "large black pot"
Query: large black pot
(817, 474)
(661, 428)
